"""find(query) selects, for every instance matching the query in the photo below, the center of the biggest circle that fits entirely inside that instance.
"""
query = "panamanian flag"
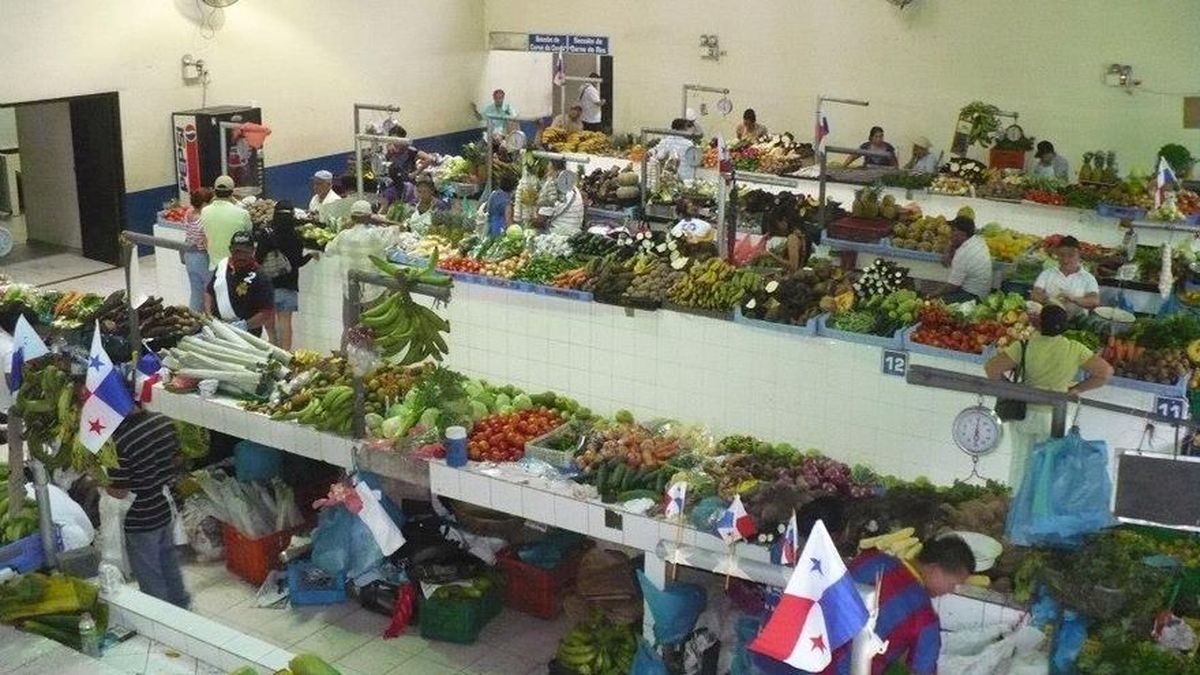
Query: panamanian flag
(790, 544)
(26, 346)
(820, 609)
(821, 132)
(676, 494)
(1164, 177)
(735, 524)
(106, 398)
(149, 373)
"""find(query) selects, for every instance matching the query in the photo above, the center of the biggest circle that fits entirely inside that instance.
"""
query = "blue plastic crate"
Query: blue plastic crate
(302, 592)
(1114, 211)
(808, 330)
(27, 554)
(919, 348)
(892, 341)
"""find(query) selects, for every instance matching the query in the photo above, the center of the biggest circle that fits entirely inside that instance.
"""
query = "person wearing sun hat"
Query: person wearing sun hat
(923, 160)
(221, 219)
(322, 188)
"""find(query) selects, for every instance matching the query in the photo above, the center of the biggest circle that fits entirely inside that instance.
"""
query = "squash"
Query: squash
(627, 179)
(627, 192)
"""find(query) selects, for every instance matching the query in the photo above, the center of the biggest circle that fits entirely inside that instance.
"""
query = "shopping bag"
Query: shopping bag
(749, 247)
(178, 534)
(342, 543)
(647, 661)
(112, 531)
(1064, 495)
(675, 608)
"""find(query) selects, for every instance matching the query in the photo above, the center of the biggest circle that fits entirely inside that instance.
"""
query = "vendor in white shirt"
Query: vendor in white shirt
(692, 124)
(1049, 164)
(565, 216)
(970, 263)
(676, 147)
(1068, 285)
(923, 160)
(322, 189)
(592, 105)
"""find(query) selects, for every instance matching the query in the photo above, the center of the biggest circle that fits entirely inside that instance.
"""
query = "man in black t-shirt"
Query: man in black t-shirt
(238, 293)
(147, 447)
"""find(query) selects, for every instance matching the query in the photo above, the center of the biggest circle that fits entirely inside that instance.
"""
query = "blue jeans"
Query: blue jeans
(199, 275)
(155, 565)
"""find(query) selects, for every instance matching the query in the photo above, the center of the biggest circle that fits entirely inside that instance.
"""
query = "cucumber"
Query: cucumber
(650, 480)
(630, 495)
(602, 475)
(630, 478)
(616, 479)
(661, 483)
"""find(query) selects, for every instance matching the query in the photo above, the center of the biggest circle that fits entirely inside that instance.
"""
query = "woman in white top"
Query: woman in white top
(1068, 285)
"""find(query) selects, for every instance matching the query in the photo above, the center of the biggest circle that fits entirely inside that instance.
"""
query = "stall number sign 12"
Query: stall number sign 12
(895, 363)
(1170, 406)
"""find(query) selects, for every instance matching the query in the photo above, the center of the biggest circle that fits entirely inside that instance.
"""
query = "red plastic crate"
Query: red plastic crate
(850, 228)
(253, 559)
(535, 590)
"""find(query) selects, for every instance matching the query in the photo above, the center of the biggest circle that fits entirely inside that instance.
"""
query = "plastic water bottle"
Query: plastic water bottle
(456, 446)
(88, 637)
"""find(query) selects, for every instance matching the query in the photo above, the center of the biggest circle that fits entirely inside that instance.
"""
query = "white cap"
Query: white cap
(921, 142)
(250, 199)
(690, 115)
(323, 175)
(360, 208)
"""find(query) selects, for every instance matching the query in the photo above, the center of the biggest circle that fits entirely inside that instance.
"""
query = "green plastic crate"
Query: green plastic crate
(459, 620)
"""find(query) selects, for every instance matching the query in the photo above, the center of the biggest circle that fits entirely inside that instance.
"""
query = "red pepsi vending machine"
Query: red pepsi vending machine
(219, 138)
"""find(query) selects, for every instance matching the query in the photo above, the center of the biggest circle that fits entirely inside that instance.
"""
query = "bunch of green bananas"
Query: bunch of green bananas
(46, 405)
(714, 285)
(598, 647)
(328, 410)
(402, 326)
(19, 526)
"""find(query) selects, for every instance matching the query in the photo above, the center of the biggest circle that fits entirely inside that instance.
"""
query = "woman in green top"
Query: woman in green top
(1051, 362)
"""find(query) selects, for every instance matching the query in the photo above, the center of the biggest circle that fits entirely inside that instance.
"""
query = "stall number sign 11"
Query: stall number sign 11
(895, 363)
(1170, 406)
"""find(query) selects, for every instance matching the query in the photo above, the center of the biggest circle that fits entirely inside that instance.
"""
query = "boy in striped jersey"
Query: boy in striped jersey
(147, 448)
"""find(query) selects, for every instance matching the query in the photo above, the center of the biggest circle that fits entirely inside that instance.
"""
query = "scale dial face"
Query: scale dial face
(1014, 132)
(724, 105)
(977, 431)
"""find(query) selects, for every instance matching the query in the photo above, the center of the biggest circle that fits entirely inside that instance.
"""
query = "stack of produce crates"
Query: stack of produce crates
(536, 576)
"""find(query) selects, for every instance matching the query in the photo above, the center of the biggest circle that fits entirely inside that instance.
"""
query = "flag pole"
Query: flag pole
(729, 566)
(678, 543)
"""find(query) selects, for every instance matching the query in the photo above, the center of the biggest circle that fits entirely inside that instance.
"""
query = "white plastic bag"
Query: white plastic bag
(177, 531)
(76, 528)
(112, 531)
(383, 528)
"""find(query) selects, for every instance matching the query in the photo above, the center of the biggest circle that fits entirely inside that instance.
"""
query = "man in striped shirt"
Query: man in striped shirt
(906, 616)
(147, 448)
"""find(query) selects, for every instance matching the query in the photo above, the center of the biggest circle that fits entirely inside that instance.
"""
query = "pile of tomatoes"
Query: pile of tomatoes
(940, 328)
(1045, 197)
(175, 214)
(1188, 202)
(458, 264)
(502, 438)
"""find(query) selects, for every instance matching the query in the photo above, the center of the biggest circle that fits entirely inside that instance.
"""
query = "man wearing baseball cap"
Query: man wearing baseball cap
(923, 160)
(322, 188)
(1049, 164)
(238, 294)
(221, 219)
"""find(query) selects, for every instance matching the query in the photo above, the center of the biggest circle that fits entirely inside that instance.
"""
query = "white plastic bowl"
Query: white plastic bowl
(985, 548)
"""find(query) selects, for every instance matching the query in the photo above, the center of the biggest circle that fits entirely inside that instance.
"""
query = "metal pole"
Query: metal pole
(135, 335)
(699, 87)
(822, 215)
(16, 464)
(724, 233)
(350, 314)
(45, 522)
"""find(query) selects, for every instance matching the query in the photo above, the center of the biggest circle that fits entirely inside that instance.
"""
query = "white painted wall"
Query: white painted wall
(48, 174)
(917, 66)
(304, 62)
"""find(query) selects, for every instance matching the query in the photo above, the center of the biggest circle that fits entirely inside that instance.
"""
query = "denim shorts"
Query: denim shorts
(286, 300)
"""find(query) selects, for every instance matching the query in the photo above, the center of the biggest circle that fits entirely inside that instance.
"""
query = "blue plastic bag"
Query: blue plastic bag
(255, 462)
(647, 661)
(1064, 495)
(675, 609)
(343, 544)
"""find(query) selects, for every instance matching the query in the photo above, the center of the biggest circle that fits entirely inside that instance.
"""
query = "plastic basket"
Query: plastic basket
(892, 341)
(303, 591)
(252, 559)
(458, 620)
(809, 328)
(562, 459)
(859, 229)
(1124, 212)
(921, 348)
(1177, 389)
(27, 553)
(535, 590)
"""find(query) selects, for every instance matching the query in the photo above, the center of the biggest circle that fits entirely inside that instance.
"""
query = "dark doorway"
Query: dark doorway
(606, 92)
(99, 174)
